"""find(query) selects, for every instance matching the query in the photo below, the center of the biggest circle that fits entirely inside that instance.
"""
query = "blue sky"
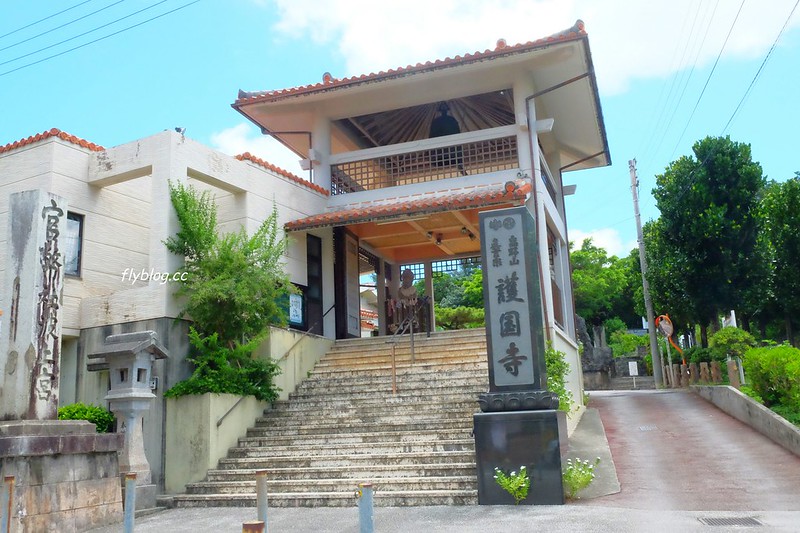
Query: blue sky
(184, 68)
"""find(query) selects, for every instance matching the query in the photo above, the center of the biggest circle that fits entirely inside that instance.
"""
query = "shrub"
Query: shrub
(774, 374)
(515, 483)
(623, 343)
(557, 368)
(577, 476)
(697, 354)
(458, 317)
(224, 370)
(730, 341)
(101, 417)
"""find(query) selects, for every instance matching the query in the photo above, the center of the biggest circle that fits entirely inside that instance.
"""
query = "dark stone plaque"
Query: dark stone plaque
(513, 439)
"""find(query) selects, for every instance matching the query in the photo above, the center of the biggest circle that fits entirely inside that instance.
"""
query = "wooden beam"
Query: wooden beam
(467, 224)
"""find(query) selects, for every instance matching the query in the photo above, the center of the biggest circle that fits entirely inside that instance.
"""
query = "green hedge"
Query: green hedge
(774, 374)
(99, 416)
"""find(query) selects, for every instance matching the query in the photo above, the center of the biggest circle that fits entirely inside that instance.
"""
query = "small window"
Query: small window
(73, 244)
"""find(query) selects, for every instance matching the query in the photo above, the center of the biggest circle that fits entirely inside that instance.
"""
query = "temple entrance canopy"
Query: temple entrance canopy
(379, 239)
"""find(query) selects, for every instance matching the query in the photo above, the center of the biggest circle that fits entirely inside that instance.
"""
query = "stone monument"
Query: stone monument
(518, 425)
(64, 473)
(130, 358)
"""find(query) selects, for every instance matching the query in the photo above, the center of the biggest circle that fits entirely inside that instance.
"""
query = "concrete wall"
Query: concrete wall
(295, 365)
(91, 387)
(752, 413)
(194, 441)
(574, 377)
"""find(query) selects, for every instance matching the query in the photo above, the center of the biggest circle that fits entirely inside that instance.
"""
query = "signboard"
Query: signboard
(633, 368)
(296, 309)
(512, 296)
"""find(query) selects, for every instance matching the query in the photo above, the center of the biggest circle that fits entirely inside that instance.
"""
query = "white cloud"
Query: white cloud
(630, 39)
(606, 238)
(246, 138)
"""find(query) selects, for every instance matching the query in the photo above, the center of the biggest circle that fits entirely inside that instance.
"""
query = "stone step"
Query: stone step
(354, 438)
(355, 449)
(408, 374)
(335, 485)
(383, 392)
(397, 416)
(421, 350)
(265, 429)
(352, 472)
(367, 402)
(356, 384)
(627, 383)
(371, 369)
(436, 335)
(361, 459)
(442, 355)
(331, 499)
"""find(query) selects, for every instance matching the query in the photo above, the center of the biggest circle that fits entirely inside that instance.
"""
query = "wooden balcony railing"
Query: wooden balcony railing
(465, 154)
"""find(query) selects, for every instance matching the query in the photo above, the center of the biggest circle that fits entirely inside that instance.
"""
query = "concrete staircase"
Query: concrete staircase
(626, 383)
(344, 426)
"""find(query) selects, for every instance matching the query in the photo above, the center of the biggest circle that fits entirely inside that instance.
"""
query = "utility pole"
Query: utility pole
(648, 303)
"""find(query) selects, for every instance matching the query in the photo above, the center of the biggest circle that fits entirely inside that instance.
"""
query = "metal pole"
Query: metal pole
(365, 493)
(648, 303)
(7, 504)
(261, 497)
(130, 502)
(394, 370)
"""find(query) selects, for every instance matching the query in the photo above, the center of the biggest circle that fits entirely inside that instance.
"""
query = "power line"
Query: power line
(708, 80)
(82, 34)
(42, 20)
(73, 21)
(688, 79)
(760, 68)
(99, 39)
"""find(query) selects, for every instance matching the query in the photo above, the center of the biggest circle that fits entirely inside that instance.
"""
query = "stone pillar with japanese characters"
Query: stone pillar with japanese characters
(519, 424)
(31, 300)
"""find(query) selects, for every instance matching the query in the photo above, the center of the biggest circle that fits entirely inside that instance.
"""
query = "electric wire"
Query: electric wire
(688, 79)
(701, 164)
(82, 34)
(708, 79)
(99, 39)
(73, 21)
(760, 68)
(42, 20)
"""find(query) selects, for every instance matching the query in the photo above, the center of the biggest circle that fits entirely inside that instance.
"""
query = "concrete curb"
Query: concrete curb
(752, 413)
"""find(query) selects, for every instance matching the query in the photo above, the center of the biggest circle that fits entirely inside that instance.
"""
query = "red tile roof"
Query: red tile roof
(47, 135)
(285, 173)
(576, 32)
(446, 200)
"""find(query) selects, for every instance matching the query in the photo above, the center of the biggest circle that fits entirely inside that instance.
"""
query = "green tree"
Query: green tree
(233, 288)
(781, 209)
(234, 283)
(598, 282)
(709, 222)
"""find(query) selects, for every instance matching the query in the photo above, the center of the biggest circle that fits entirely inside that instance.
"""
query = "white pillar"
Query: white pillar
(321, 144)
(528, 149)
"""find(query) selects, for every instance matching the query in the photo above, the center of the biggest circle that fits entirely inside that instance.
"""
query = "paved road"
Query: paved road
(675, 451)
(678, 460)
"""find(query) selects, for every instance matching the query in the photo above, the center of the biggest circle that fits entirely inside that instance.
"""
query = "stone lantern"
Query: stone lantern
(130, 359)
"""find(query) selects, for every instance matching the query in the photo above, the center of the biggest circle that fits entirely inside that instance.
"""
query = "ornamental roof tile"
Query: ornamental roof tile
(247, 156)
(329, 82)
(54, 132)
(446, 200)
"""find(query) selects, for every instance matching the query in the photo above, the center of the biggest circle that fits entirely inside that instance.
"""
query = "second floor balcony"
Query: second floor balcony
(465, 154)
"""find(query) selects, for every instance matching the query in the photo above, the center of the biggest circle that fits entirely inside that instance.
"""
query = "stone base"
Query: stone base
(65, 475)
(513, 439)
(596, 380)
(145, 496)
